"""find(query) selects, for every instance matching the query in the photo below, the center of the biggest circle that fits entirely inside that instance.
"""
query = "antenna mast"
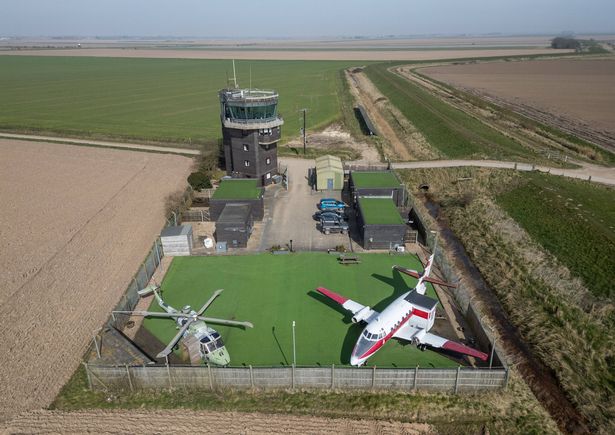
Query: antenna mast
(234, 75)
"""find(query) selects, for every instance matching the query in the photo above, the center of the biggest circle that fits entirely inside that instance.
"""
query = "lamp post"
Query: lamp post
(294, 347)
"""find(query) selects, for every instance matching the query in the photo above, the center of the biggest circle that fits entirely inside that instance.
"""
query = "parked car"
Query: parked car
(331, 223)
(331, 213)
(331, 204)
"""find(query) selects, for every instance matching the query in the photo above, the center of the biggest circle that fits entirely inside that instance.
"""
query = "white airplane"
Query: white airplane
(409, 317)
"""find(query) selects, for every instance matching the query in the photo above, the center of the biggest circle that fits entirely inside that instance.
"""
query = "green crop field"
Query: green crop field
(573, 220)
(172, 100)
(453, 132)
(273, 290)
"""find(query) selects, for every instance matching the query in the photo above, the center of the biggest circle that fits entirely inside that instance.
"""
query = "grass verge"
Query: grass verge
(510, 411)
(569, 325)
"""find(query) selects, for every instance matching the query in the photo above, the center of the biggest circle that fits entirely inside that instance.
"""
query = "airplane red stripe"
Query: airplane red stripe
(457, 347)
(337, 298)
(420, 313)
(374, 348)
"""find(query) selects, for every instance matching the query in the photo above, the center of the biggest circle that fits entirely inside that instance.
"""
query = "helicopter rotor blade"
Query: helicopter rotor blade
(151, 314)
(211, 299)
(226, 322)
(167, 350)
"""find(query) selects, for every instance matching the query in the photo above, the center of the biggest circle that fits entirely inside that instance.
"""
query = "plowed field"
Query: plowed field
(75, 224)
(575, 95)
(184, 421)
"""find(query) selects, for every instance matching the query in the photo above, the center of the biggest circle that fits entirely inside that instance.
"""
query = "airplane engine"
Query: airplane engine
(361, 315)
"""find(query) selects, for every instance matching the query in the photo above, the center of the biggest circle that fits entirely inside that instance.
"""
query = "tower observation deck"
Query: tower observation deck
(250, 132)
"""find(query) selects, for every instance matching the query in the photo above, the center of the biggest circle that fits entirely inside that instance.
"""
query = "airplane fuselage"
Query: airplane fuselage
(382, 327)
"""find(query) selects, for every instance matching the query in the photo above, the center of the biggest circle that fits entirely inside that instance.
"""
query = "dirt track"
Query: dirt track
(76, 223)
(183, 421)
(290, 54)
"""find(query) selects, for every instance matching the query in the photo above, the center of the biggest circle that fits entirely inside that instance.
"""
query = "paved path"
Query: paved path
(599, 174)
(101, 143)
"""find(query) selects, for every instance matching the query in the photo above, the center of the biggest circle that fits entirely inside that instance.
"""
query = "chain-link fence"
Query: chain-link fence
(136, 378)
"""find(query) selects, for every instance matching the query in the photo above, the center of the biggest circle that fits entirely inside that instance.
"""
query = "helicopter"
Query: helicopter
(199, 338)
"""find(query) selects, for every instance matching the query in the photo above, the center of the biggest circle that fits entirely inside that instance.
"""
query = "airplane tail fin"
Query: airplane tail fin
(420, 286)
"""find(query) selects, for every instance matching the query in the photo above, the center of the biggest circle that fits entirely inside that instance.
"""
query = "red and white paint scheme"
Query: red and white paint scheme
(409, 317)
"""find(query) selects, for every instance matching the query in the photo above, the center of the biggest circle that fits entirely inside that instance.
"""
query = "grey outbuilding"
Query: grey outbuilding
(177, 240)
(380, 224)
(234, 225)
(380, 184)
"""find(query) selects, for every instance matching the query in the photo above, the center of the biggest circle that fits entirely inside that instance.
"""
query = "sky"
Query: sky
(296, 19)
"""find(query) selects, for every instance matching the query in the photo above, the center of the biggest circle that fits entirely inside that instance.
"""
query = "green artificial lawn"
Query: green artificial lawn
(272, 291)
(372, 180)
(379, 211)
(238, 189)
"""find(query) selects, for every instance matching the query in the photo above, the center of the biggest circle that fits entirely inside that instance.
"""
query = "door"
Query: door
(329, 183)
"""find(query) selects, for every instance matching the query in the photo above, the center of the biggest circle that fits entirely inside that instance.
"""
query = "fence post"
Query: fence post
(506, 375)
(157, 252)
(332, 376)
(292, 375)
(132, 389)
(373, 376)
(169, 373)
(211, 381)
(87, 372)
(251, 376)
(416, 377)
(457, 379)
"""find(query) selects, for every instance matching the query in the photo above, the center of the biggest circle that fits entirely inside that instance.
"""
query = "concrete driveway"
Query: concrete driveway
(290, 213)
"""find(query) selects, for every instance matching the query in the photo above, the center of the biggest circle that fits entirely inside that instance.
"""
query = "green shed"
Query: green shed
(329, 173)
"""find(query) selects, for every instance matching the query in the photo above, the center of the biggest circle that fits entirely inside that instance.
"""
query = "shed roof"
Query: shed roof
(235, 214)
(329, 162)
(176, 231)
(374, 179)
(379, 211)
(244, 188)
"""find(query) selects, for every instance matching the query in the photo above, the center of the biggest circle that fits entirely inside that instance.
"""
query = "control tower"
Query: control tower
(250, 133)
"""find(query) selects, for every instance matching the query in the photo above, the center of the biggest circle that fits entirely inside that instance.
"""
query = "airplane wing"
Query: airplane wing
(417, 275)
(411, 333)
(437, 341)
(352, 306)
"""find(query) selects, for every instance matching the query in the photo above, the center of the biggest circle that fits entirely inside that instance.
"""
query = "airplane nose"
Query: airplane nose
(354, 361)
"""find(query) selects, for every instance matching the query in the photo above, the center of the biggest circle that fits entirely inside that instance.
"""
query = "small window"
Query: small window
(268, 160)
(268, 175)
(246, 163)
(246, 147)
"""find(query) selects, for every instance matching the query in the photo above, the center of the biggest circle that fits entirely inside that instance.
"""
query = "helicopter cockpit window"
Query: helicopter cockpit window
(212, 342)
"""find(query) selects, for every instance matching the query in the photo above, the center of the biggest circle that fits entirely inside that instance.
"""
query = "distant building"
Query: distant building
(250, 133)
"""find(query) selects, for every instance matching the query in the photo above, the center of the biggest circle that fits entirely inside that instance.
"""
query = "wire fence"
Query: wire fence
(156, 377)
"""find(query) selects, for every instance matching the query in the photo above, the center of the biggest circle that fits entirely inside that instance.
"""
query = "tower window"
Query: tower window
(246, 147)
(246, 163)
(268, 160)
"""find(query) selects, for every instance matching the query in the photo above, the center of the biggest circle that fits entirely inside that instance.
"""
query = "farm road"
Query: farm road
(100, 143)
(599, 174)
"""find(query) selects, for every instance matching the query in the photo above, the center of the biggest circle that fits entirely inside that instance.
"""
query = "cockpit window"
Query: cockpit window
(211, 343)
